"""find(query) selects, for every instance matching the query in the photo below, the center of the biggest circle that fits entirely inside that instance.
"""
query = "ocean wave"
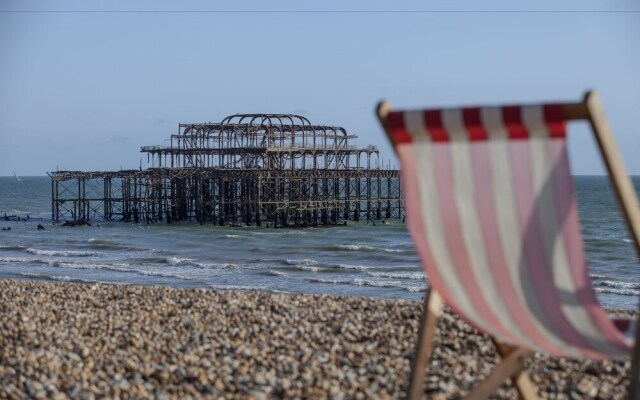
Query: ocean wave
(333, 281)
(389, 284)
(353, 267)
(25, 260)
(121, 268)
(69, 265)
(178, 261)
(56, 278)
(150, 260)
(274, 272)
(215, 266)
(12, 247)
(161, 274)
(63, 253)
(171, 260)
(108, 244)
(419, 275)
(393, 250)
(621, 291)
(230, 236)
(279, 232)
(377, 283)
(234, 287)
(108, 267)
(304, 261)
(350, 247)
(310, 268)
(617, 287)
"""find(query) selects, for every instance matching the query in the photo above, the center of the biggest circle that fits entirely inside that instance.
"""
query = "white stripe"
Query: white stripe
(507, 220)
(470, 224)
(430, 213)
(554, 246)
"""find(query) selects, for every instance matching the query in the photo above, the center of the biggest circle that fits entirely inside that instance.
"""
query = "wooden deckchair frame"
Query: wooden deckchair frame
(512, 364)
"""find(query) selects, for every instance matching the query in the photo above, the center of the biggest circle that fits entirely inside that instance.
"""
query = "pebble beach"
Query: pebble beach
(68, 340)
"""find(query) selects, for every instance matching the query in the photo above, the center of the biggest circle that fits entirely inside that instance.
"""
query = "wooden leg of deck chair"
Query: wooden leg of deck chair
(634, 377)
(432, 310)
(522, 382)
(510, 367)
(624, 190)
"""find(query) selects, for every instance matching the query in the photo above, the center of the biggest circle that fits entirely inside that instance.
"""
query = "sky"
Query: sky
(83, 85)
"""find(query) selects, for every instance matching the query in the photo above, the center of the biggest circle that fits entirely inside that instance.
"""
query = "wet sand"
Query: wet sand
(66, 340)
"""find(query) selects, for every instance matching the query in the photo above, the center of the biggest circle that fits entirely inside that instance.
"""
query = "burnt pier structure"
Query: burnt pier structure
(248, 169)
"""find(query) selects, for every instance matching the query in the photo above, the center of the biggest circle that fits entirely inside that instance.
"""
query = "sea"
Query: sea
(356, 260)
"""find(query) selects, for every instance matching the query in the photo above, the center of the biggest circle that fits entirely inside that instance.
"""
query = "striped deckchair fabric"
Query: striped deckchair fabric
(491, 209)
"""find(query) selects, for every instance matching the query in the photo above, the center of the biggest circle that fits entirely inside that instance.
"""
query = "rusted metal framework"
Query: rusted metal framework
(249, 169)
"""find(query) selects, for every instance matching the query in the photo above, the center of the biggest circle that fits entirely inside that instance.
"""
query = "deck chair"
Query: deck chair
(491, 209)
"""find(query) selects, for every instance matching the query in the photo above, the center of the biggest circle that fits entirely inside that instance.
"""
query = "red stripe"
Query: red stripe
(513, 122)
(622, 324)
(554, 119)
(433, 121)
(397, 129)
(473, 124)
(511, 116)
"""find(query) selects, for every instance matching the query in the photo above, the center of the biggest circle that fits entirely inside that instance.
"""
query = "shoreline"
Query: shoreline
(60, 340)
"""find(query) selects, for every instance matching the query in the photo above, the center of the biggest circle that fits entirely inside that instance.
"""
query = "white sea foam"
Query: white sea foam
(414, 289)
(355, 267)
(70, 265)
(418, 275)
(275, 272)
(229, 236)
(63, 253)
(162, 274)
(617, 287)
(21, 260)
(310, 268)
(178, 260)
(352, 247)
(624, 292)
(233, 287)
(617, 284)
(378, 283)
(390, 284)
(12, 247)
(63, 278)
(108, 267)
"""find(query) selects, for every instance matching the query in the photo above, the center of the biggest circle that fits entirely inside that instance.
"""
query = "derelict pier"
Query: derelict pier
(249, 169)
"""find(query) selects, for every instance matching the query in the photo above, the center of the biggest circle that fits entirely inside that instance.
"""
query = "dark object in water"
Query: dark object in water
(40, 227)
(6, 228)
(14, 217)
(78, 222)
